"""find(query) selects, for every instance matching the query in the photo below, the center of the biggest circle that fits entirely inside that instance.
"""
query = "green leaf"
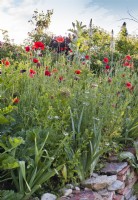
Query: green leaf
(16, 141)
(10, 195)
(8, 162)
(136, 148)
(127, 155)
(64, 172)
(3, 120)
(23, 172)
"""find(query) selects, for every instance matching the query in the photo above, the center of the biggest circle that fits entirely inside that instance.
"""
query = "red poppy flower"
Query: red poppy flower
(32, 71)
(27, 48)
(107, 67)
(15, 100)
(7, 63)
(47, 73)
(62, 49)
(61, 78)
(87, 57)
(35, 60)
(77, 71)
(105, 60)
(128, 85)
(128, 58)
(59, 39)
(126, 64)
(38, 45)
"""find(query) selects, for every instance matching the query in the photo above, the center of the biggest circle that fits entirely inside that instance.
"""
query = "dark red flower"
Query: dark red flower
(15, 100)
(106, 60)
(59, 39)
(35, 60)
(62, 49)
(47, 73)
(128, 57)
(27, 48)
(107, 67)
(32, 71)
(126, 64)
(77, 71)
(87, 57)
(39, 45)
(129, 85)
(61, 78)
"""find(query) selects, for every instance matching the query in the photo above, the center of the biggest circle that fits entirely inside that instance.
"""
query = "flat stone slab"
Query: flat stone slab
(83, 195)
(114, 168)
(100, 182)
(117, 185)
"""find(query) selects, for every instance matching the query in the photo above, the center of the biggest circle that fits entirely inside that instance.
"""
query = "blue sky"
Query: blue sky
(107, 14)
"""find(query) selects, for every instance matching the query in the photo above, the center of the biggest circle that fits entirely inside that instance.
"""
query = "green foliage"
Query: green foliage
(55, 133)
(8, 150)
(41, 22)
(9, 194)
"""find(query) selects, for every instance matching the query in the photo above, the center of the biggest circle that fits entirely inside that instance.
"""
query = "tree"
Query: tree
(41, 22)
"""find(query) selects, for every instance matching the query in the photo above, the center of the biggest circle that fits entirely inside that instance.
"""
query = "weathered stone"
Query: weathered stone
(97, 196)
(87, 189)
(103, 192)
(83, 195)
(67, 192)
(77, 188)
(124, 191)
(100, 182)
(106, 195)
(64, 198)
(48, 196)
(128, 194)
(124, 171)
(114, 168)
(117, 185)
(118, 197)
(94, 175)
(122, 178)
(133, 197)
(110, 196)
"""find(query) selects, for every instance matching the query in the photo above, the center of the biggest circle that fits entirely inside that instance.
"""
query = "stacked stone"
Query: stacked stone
(115, 182)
